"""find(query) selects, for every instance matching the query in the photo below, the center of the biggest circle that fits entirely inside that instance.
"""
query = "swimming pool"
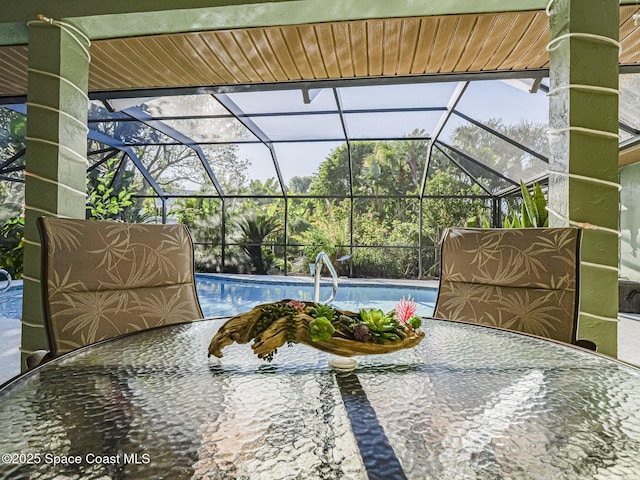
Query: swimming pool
(225, 296)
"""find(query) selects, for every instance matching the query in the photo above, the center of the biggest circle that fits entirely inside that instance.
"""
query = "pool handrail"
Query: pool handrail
(320, 259)
(8, 275)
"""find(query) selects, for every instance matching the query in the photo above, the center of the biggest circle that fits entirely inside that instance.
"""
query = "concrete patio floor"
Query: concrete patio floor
(629, 338)
(9, 344)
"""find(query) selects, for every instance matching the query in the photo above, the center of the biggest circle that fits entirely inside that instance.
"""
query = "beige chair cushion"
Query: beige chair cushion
(105, 279)
(519, 279)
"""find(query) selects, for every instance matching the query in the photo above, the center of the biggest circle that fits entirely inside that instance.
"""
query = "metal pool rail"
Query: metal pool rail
(320, 259)
(8, 279)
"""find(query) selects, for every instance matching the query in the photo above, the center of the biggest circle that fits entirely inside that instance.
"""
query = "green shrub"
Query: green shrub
(12, 246)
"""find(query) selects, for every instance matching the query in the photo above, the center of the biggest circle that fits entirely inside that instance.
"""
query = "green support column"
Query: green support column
(55, 177)
(576, 61)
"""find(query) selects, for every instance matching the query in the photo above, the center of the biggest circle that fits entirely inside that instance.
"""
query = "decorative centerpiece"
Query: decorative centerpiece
(323, 327)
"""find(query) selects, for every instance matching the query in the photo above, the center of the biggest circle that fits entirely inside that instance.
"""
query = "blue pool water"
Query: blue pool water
(11, 303)
(224, 296)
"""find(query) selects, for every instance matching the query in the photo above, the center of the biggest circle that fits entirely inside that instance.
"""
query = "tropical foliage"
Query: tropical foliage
(501, 156)
(12, 246)
(254, 231)
(12, 143)
(381, 220)
(108, 195)
(108, 198)
(534, 209)
(362, 205)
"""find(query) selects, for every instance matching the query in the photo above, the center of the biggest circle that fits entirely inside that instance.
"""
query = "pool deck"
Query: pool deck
(373, 282)
(10, 328)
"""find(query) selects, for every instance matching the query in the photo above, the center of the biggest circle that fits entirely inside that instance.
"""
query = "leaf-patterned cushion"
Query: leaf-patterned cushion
(105, 279)
(521, 279)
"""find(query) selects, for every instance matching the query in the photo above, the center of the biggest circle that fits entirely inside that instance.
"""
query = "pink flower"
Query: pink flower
(406, 309)
(300, 306)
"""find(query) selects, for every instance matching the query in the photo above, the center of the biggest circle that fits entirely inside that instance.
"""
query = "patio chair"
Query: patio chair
(105, 279)
(518, 279)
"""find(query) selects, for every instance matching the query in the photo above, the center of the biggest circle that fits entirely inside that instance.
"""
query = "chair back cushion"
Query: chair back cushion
(522, 279)
(105, 279)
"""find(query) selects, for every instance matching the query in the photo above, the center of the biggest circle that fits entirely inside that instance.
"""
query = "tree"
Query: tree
(11, 199)
(439, 213)
(203, 216)
(108, 194)
(332, 178)
(300, 185)
(379, 170)
(327, 233)
(255, 230)
(384, 174)
(12, 245)
(177, 168)
(500, 155)
(13, 127)
(414, 154)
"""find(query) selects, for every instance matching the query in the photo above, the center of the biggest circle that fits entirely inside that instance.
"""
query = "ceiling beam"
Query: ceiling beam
(312, 84)
(501, 136)
(238, 113)
(464, 170)
(456, 95)
(140, 115)
(124, 18)
(476, 162)
(293, 85)
(115, 143)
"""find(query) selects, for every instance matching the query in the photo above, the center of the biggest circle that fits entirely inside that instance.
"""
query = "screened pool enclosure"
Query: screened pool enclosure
(369, 171)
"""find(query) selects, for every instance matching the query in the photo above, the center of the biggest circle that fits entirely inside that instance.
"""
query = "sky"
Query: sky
(482, 100)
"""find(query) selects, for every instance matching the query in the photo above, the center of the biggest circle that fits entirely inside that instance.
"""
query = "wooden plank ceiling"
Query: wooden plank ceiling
(354, 49)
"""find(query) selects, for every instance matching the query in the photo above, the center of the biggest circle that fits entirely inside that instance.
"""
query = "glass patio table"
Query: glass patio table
(469, 402)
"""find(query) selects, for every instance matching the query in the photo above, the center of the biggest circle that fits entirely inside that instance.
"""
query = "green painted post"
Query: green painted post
(592, 61)
(55, 177)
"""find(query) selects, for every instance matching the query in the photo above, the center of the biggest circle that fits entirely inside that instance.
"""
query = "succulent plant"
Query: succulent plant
(382, 327)
(344, 323)
(321, 330)
(361, 333)
(342, 332)
(415, 322)
(271, 313)
(321, 310)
